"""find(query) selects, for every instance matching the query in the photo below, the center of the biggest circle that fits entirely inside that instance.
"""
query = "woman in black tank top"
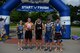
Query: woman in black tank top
(38, 32)
(39, 28)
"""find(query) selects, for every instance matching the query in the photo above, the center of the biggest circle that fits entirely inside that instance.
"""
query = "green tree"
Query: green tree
(2, 1)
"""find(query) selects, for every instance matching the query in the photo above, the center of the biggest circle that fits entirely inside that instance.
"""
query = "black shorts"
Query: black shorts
(57, 36)
(28, 35)
(38, 35)
(20, 36)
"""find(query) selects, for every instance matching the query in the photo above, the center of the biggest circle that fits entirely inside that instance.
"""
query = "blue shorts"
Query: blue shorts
(20, 36)
(48, 37)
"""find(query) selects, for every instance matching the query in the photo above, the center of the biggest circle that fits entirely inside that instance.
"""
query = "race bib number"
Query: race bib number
(20, 31)
(38, 27)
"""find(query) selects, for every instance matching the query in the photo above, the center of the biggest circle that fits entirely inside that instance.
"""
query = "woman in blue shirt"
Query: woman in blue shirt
(48, 35)
(20, 35)
(58, 36)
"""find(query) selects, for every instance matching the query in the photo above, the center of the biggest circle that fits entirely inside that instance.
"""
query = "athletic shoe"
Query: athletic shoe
(50, 50)
(18, 49)
(21, 49)
(61, 50)
(45, 49)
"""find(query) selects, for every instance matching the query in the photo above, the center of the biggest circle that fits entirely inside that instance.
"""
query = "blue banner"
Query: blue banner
(35, 7)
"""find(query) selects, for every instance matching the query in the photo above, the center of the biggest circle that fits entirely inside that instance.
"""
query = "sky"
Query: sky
(72, 2)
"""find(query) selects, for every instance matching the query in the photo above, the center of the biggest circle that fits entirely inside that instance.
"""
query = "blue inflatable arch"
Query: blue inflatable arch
(63, 9)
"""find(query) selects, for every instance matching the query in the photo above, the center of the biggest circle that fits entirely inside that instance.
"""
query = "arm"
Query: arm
(25, 26)
(53, 27)
(45, 28)
(34, 28)
(61, 30)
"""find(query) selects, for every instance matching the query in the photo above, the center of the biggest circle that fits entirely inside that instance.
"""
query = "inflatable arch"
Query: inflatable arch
(64, 12)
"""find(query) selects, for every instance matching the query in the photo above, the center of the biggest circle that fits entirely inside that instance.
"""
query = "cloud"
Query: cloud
(72, 2)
